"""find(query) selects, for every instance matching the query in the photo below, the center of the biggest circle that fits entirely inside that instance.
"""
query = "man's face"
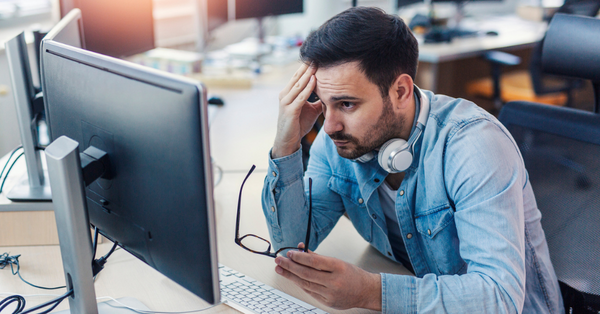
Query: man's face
(357, 118)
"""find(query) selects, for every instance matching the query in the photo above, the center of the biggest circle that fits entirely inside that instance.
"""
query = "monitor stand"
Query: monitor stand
(73, 225)
(24, 191)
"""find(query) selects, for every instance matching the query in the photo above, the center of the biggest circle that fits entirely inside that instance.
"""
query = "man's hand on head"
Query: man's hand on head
(296, 114)
(333, 282)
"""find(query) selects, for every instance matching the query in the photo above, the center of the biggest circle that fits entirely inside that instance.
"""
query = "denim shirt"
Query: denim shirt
(465, 208)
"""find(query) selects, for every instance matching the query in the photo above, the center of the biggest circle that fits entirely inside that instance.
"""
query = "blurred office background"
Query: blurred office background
(212, 39)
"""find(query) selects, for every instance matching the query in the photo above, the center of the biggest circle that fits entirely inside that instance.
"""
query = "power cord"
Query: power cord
(6, 164)
(21, 304)
(13, 261)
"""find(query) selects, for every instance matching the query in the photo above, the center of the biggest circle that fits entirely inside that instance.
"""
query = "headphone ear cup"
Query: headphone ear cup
(396, 145)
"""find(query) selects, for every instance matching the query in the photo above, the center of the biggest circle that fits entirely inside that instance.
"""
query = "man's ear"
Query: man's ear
(401, 91)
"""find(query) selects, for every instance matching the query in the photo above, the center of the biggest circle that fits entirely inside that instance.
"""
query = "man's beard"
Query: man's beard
(386, 128)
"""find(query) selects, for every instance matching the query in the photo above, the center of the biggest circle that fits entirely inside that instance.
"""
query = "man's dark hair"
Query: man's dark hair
(382, 44)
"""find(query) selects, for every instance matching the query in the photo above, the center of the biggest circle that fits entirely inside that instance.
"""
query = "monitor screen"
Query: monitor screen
(260, 8)
(115, 28)
(153, 125)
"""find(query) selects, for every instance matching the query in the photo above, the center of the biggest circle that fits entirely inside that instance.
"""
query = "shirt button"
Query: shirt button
(389, 253)
(274, 173)
(273, 208)
(429, 231)
(409, 235)
(360, 201)
(401, 192)
(376, 180)
(374, 216)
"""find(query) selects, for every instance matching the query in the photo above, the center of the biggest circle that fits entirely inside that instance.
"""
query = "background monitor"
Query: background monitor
(262, 8)
(117, 28)
(159, 203)
(30, 108)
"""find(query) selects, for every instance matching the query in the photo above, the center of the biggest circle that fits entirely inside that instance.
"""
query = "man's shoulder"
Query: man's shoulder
(450, 112)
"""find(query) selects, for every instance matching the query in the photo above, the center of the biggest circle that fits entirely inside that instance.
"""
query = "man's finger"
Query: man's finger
(300, 101)
(301, 247)
(306, 285)
(312, 260)
(305, 272)
(294, 79)
(299, 86)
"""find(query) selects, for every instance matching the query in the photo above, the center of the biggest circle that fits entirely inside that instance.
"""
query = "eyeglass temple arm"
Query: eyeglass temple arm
(306, 241)
(237, 220)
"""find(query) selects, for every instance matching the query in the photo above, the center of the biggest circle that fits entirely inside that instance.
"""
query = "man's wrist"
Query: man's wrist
(278, 152)
(372, 300)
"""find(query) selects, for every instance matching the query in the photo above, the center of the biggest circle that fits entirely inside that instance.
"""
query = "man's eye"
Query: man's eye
(347, 104)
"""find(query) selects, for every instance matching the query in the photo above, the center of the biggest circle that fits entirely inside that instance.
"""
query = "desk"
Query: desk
(445, 67)
(241, 133)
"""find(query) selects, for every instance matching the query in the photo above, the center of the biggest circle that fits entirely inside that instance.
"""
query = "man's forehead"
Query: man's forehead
(346, 79)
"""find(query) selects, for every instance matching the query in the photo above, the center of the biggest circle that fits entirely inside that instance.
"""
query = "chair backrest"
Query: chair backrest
(571, 49)
(561, 150)
(586, 8)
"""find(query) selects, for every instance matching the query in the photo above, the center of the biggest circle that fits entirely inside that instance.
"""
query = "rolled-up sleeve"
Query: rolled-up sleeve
(285, 198)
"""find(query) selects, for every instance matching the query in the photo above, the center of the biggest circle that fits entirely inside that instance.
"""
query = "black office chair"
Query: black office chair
(560, 147)
(533, 84)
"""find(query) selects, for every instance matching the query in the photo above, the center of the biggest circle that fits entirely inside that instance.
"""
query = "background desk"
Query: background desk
(445, 67)
(241, 133)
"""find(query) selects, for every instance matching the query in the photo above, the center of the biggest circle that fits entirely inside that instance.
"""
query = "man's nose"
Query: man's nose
(332, 122)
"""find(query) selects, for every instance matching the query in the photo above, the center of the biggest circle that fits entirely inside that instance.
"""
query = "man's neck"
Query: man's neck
(409, 119)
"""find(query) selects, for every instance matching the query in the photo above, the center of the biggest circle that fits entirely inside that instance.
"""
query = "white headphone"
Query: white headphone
(396, 155)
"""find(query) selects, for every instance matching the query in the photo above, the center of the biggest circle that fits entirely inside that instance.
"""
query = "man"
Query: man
(460, 213)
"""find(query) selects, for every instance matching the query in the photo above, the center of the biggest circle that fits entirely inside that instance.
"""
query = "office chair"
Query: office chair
(560, 147)
(533, 84)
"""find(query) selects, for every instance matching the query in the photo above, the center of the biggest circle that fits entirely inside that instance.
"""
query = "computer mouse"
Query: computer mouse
(215, 100)
(491, 33)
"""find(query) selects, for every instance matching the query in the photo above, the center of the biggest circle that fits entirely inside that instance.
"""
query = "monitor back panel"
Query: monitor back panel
(159, 204)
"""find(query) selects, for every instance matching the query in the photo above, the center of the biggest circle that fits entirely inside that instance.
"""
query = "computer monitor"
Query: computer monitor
(262, 8)
(30, 107)
(157, 202)
(117, 28)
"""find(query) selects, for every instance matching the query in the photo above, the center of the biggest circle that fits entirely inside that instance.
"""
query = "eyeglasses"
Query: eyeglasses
(259, 245)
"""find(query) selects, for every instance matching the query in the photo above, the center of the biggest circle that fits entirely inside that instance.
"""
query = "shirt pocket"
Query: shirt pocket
(438, 231)
(354, 204)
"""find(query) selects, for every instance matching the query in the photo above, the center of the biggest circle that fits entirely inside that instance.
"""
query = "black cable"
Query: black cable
(96, 231)
(8, 161)
(7, 172)
(98, 264)
(6, 260)
(111, 251)
(43, 305)
(13, 298)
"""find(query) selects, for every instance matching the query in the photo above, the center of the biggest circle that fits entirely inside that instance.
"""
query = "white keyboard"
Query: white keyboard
(248, 295)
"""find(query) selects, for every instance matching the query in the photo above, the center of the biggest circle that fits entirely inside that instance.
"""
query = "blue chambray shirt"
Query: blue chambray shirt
(466, 212)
